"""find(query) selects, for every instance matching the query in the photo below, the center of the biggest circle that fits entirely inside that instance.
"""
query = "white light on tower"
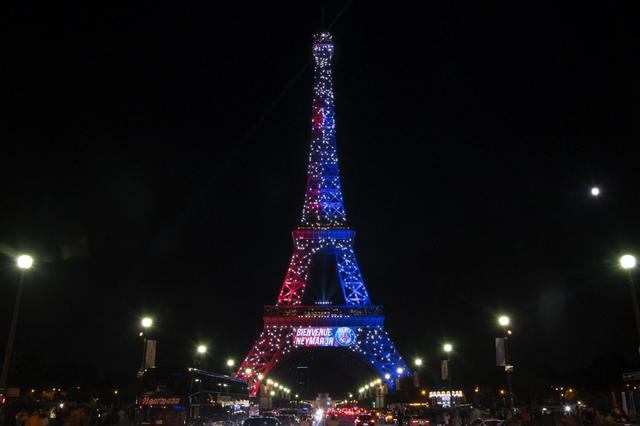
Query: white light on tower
(595, 191)
(146, 322)
(503, 320)
(202, 349)
(628, 261)
(24, 261)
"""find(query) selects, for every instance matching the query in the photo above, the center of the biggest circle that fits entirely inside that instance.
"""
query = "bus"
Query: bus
(191, 397)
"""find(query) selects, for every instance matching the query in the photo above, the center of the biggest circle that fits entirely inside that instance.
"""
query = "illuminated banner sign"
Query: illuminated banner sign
(152, 400)
(324, 336)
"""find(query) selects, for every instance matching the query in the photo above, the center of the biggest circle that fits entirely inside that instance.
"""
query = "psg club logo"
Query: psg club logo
(345, 336)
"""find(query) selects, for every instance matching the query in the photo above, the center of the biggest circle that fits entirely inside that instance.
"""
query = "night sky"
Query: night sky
(154, 162)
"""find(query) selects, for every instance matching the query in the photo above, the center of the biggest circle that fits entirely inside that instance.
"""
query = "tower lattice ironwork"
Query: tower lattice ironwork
(357, 325)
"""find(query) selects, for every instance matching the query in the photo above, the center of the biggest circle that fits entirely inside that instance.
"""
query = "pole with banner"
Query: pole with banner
(150, 353)
(502, 360)
(444, 370)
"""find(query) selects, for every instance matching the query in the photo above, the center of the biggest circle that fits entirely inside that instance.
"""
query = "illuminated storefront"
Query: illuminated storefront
(446, 398)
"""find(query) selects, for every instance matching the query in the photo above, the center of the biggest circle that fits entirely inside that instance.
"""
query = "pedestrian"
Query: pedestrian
(33, 419)
(21, 417)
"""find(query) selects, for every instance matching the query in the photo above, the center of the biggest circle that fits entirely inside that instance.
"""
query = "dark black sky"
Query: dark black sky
(154, 162)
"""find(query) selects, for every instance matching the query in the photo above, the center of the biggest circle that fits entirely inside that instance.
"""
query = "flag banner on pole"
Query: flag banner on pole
(150, 355)
(444, 369)
(501, 359)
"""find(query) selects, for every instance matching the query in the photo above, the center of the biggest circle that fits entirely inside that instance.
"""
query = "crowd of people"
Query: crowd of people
(66, 415)
(467, 416)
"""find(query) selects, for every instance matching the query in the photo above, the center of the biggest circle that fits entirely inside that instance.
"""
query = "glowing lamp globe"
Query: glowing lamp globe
(595, 191)
(628, 261)
(230, 363)
(24, 261)
(504, 320)
(202, 349)
(447, 347)
(146, 322)
(418, 362)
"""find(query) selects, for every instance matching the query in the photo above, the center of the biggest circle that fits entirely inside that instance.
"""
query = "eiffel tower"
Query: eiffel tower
(294, 323)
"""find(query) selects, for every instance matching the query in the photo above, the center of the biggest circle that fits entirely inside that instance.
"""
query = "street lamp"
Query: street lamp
(146, 323)
(24, 262)
(628, 263)
(504, 321)
(446, 375)
(418, 362)
(230, 363)
(201, 350)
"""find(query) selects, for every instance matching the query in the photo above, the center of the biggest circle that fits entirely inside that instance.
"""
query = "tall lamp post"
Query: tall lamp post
(416, 375)
(230, 364)
(202, 351)
(24, 262)
(146, 323)
(628, 263)
(504, 322)
(447, 348)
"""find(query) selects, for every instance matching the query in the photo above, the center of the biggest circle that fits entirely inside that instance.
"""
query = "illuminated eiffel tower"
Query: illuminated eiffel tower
(356, 325)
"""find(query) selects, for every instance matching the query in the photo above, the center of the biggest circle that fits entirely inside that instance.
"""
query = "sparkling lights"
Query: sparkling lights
(323, 228)
(323, 209)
